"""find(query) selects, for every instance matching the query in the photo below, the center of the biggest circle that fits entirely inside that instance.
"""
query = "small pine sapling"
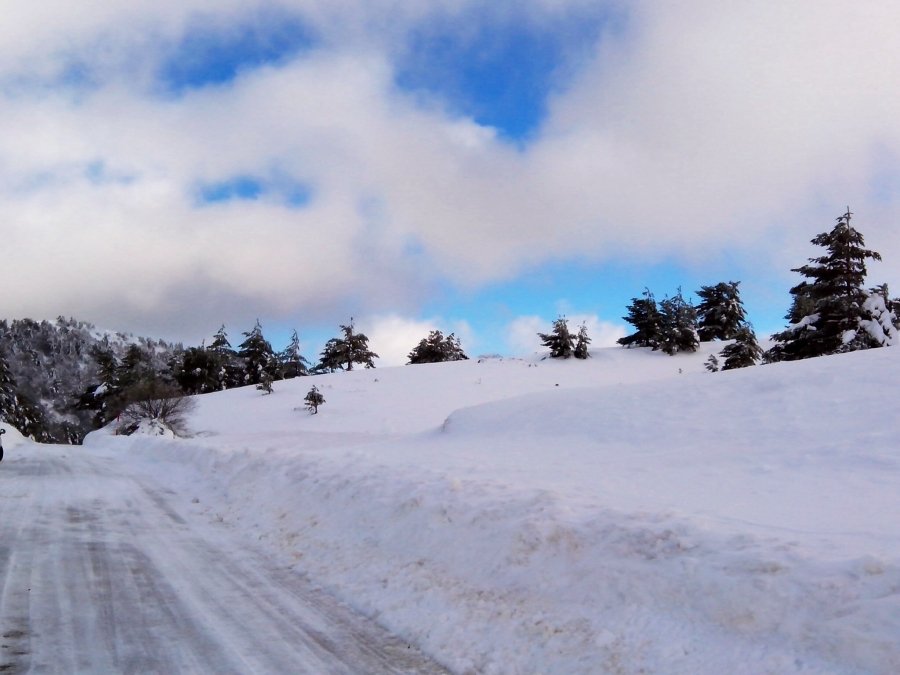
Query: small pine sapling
(314, 399)
(582, 340)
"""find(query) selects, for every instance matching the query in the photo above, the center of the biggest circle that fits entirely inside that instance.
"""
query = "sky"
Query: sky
(477, 167)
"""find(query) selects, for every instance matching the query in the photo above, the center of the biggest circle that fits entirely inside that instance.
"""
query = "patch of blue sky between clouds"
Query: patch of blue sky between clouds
(210, 53)
(497, 69)
(250, 188)
(602, 289)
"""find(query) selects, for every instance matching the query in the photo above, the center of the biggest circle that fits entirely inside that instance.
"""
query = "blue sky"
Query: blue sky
(166, 168)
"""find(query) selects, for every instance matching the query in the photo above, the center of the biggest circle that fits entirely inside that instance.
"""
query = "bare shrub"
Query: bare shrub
(155, 401)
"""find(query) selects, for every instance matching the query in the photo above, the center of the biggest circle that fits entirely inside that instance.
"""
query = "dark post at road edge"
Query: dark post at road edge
(2, 431)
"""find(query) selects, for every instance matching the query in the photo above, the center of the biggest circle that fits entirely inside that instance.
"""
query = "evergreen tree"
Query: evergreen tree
(644, 315)
(232, 370)
(291, 361)
(436, 349)
(712, 364)
(200, 371)
(314, 399)
(560, 341)
(8, 399)
(744, 351)
(581, 343)
(884, 326)
(341, 353)
(259, 359)
(266, 378)
(678, 329)
(829, 313)
(135, 367)
(101, 397)
(17, 409)
(221, 343)
(720, 312)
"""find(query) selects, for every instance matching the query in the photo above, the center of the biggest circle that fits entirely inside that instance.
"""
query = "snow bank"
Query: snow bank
(613, 516)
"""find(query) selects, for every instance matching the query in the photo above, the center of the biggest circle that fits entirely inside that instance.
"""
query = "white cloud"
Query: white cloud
(702, 126)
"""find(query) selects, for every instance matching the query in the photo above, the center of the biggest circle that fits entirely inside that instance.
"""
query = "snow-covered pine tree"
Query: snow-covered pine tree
(232, 372)
(678, 326)
(199, 371)
(883, 326)
(266, 377)
(644, 315)
(582, 340)
(744, 351)
(341, 353)
(291, 361)
(829, 312)
(220, 342)
(560, 341)
(436, 348)
(720, 312)
(101, 396)
(314, 399)
(17, 409)
(259, 359)
(7, 391)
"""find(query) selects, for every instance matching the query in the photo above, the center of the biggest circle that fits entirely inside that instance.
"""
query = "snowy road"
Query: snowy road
(100, 572)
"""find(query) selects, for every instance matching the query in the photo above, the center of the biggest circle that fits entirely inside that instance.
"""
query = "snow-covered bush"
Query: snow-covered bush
(155, 404)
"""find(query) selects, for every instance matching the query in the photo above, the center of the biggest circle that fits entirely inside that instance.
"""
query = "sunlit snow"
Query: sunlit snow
(629, 514)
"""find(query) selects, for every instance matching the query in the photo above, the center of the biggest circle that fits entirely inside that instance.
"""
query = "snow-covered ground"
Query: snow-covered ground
(629, 514)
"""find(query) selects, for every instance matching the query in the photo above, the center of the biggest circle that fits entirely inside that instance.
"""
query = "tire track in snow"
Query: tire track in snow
(101, 573)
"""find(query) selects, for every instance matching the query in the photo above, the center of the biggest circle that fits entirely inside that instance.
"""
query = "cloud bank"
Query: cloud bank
(303, 181)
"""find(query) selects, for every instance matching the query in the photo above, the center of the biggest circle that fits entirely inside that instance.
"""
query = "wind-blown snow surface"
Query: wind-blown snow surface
(629, 514)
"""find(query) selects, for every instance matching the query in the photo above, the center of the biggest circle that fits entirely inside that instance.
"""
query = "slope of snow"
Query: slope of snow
(628, 514)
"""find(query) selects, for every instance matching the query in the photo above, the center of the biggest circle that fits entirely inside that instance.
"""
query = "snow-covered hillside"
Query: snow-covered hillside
(629, 514)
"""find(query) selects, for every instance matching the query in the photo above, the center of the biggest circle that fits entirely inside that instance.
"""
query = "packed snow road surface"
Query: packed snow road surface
(99, 572)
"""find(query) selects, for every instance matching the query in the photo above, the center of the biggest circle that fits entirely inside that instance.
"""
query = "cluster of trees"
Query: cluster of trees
(831, 311)
(48, 364)
(61, 380)
(675, 325)
(563, 344)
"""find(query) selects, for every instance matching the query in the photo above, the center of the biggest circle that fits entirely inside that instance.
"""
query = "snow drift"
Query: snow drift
(628, 514)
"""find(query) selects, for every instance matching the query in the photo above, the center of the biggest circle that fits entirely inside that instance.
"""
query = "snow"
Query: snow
(629, 514)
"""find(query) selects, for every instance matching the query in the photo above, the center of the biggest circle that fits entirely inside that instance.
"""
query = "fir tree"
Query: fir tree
(200, 371)
(678, 329)
(884, 325)
(102, 397)
(232, 371)
(8, 400)
(259, 359)
(220, 342)
(16, 409)
(582, 340)
(436, 349)
(712, 364)
(829, 313)
(265, 380)
(720, 312)
(744, 351)
(341, 353)
(314, 399)
(560, 341)
(291, 361)
(644, 315)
